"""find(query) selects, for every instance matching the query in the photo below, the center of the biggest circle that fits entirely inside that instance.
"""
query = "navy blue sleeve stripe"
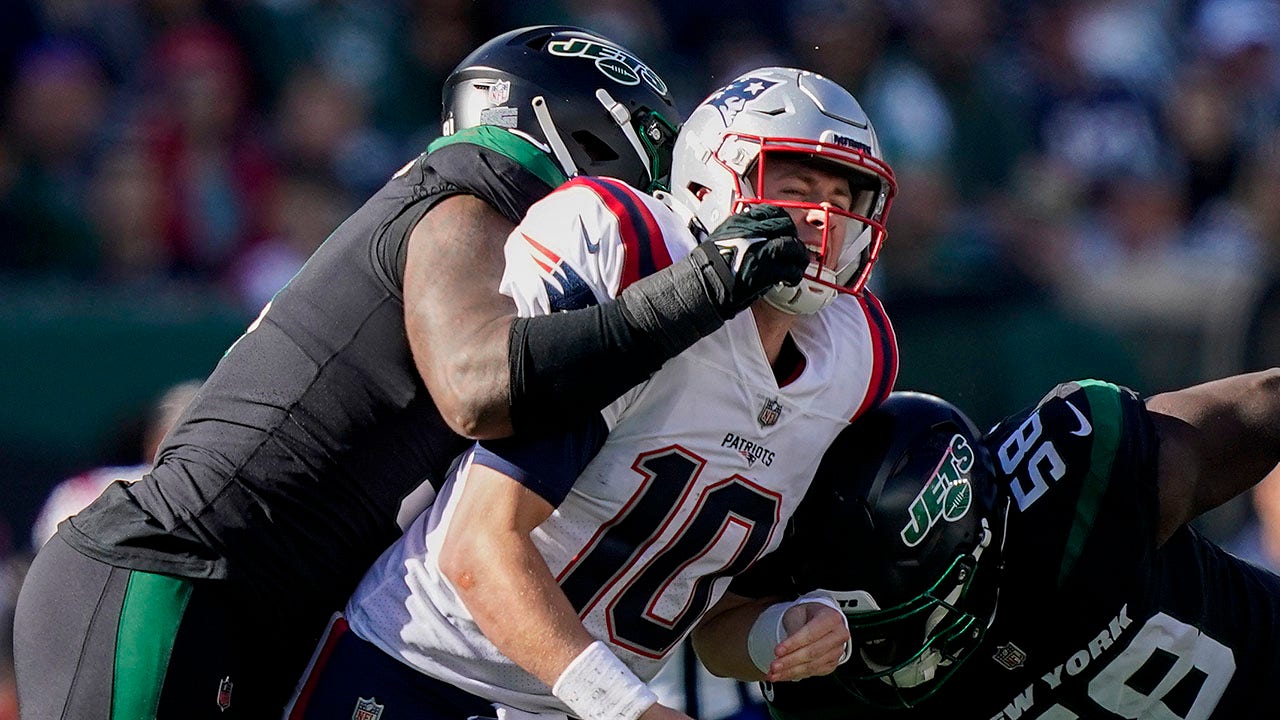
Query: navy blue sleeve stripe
(888, 347)
(548, 465)
(884, 349)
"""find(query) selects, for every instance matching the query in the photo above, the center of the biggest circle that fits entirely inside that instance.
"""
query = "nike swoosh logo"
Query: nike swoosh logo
(592, 247)
(1085, 427)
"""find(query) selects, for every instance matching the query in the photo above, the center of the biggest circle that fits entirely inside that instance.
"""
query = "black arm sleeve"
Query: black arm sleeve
(566, 365)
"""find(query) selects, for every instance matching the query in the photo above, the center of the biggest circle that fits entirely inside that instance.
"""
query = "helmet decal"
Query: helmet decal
(580, 98)
(615, 63)
(500, 92)
(846, 141)
(506, 117)
(733, 141)
(947, 495)
(731, 99)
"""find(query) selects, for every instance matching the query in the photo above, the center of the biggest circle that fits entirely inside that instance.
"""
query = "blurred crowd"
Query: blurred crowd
(1119, 153)
(1114, 161)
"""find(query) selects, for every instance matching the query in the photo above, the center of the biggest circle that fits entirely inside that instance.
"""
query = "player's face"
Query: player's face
(796, 180)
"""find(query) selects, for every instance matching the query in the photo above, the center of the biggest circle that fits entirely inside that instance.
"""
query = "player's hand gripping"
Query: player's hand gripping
(815, 644)
(751, 252)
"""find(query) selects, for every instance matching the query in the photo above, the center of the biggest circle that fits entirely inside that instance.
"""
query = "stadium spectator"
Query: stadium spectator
(1257, 539)
(57, 106)
(12, 568)
(216, 171)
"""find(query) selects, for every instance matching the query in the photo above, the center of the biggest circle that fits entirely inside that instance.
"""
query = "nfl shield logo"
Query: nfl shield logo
(770, 413)
(224, 693)
(1010, 656)
(500, 92)
(366, 710)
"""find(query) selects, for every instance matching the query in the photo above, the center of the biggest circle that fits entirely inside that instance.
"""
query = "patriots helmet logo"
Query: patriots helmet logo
(730, 100)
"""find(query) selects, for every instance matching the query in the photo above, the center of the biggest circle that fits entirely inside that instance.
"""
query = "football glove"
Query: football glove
(751, 252)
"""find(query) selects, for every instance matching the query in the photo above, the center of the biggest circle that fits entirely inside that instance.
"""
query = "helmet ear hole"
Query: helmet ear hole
(902, 463)
(595, 148)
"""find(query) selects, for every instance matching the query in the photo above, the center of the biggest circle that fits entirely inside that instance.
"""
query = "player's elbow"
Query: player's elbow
(1266, 392)
(1267, 385)
(458, 563)
(468, 380)
(476, 414)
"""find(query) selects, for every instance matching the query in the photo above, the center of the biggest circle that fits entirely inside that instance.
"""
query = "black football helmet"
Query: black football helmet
(585, 100)
(906, 499)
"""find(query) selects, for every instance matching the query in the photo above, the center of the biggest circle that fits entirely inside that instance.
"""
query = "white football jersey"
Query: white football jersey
(702, 466)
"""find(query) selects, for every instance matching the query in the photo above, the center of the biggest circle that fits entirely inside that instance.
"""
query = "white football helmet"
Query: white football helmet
(723, 149)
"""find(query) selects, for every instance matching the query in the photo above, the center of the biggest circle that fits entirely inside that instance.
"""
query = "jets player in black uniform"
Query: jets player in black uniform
(1042, 571)
(199, 590)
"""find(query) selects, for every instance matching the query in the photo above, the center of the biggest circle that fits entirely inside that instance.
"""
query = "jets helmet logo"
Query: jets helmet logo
(616, 64)
(732, 99)
(947, 495)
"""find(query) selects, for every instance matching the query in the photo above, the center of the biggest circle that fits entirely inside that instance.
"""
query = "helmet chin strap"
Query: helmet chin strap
(558, 148)
(622, 117)
(806, 298)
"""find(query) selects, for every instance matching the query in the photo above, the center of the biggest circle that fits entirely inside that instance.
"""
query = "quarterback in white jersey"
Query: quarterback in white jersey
(547, 560)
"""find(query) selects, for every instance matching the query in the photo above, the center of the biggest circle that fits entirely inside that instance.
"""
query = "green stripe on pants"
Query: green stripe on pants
(149, 619)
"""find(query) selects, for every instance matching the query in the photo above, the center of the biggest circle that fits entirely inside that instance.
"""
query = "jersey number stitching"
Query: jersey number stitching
(632, 615)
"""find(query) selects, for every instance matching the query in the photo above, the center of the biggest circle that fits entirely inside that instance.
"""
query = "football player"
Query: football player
(200, 590)
(557, 574)
(1045, 570)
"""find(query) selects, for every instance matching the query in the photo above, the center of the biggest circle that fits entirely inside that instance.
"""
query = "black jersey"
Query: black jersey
(286, 473)
(1094, 621)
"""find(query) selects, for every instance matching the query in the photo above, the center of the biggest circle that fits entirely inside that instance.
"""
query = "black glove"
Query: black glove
(751, 252)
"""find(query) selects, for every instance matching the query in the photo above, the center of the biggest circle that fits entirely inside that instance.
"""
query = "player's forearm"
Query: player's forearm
(1218, 439)
(517, 604)
(490, 558)
(720, 638)
(520, 608)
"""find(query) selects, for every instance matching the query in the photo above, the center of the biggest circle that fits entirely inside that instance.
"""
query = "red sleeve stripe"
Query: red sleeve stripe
(337, 628)
(884, 353)
(644, 249)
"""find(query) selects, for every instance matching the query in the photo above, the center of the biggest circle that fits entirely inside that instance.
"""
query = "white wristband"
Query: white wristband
(767, 631)
(765, 634)
(599, 686)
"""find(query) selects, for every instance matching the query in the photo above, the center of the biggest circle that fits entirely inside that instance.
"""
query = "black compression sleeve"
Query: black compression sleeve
(569, 364)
